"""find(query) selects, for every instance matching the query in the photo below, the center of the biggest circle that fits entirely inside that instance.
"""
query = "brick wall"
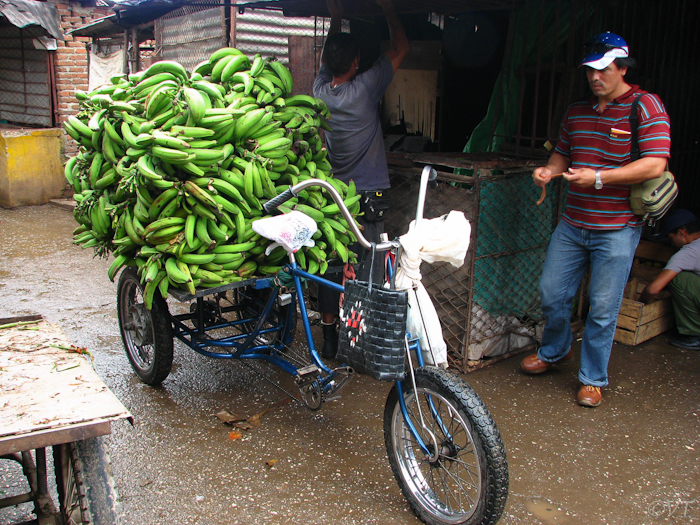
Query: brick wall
(71, 61)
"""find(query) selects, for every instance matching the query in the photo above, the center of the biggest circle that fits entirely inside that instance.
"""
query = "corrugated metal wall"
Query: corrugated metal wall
(25, 95)
(189, 35)
(268, 32)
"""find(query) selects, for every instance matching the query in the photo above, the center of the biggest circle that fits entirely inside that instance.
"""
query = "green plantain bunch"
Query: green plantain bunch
(174, 167)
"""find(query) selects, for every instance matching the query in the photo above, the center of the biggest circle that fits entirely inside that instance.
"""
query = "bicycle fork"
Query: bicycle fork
(431, 456)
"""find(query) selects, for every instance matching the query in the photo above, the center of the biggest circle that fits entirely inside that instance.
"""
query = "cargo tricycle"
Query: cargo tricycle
(443, 445)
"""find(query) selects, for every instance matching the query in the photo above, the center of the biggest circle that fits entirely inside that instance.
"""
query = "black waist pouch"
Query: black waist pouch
(375, 205)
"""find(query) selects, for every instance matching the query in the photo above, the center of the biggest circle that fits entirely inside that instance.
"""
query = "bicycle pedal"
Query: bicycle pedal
(307, 375)
(343, 376)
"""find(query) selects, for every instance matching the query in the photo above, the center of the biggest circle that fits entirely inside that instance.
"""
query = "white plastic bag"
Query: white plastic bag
(445, 239)
(291, 230)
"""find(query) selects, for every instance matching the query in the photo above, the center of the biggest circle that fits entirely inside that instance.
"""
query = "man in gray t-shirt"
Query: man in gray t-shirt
(356, 144)
(682, 276)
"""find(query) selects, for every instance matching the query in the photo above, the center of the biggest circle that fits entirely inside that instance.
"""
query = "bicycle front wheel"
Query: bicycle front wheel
(464, 477)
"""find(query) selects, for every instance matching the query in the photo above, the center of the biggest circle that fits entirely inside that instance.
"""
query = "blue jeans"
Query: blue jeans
(571, 250)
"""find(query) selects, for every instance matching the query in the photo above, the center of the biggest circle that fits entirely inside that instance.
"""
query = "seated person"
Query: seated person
(682, 276)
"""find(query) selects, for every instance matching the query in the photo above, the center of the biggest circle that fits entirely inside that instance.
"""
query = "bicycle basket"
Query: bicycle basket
(373, 330)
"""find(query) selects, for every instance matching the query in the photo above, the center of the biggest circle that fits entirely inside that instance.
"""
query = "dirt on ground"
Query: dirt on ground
(633, 460)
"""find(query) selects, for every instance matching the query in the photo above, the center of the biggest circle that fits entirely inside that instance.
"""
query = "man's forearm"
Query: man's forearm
(398, 41)
(336, 25)
(397, 33)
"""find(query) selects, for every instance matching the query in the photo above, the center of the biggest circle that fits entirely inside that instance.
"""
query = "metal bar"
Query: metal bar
(472, 265)
(135, 51)
(56, 436)
(503, 89)
(296, 274)
(24, 70)
(553, 71)
(126, 52)
(521, 96)
(52, 85)
(11, 501)
(538, 73)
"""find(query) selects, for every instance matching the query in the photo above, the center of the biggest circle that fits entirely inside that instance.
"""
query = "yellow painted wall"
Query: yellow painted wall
(31, 171)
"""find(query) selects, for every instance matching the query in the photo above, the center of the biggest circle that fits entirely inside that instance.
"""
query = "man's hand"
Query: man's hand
(584, 177)
(557, 163)
(541, 176)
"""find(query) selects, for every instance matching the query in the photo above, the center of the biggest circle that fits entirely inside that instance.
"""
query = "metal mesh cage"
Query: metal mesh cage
(491, 304)
(190, 34)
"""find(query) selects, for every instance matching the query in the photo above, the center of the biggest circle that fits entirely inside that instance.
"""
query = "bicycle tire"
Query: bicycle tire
(468, 482)
(85, 485)
(147, 334)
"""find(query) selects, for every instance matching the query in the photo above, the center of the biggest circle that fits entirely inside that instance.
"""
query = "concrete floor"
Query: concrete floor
(633, 460)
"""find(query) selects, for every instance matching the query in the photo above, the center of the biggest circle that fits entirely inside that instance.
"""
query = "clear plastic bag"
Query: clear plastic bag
(291, 230)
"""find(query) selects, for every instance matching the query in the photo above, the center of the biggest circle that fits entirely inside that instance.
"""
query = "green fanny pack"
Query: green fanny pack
(650, 199)
(653, 198)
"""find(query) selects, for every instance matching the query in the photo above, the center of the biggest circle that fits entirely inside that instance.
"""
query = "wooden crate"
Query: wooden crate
(638, 322)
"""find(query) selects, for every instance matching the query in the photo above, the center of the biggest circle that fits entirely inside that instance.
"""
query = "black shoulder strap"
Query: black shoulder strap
(634, 151)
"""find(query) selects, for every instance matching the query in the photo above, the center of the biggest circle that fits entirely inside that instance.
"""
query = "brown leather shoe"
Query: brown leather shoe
(589, 396)
(534, 365)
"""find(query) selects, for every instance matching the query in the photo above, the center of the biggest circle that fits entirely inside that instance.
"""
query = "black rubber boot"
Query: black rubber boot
(330, 340)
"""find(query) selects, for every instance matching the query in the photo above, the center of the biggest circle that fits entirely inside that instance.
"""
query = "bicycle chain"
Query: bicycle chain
(280, 387)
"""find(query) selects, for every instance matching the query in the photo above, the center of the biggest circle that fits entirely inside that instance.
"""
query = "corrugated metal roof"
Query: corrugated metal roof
(23, 13)
(360, 8)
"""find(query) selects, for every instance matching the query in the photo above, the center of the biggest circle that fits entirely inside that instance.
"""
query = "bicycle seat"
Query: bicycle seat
(291, 230)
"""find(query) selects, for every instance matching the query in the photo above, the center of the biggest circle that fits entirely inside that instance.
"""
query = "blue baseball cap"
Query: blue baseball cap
(677, 219)
(602, 50)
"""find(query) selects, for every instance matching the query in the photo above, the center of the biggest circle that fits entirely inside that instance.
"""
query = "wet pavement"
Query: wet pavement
(633, 460)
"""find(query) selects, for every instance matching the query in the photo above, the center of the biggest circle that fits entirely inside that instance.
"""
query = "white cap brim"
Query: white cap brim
(602, 61)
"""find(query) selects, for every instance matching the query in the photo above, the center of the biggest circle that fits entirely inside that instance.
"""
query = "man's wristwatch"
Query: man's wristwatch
(598, 183)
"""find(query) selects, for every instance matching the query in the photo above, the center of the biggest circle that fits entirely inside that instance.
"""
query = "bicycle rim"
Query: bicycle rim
(448, 489)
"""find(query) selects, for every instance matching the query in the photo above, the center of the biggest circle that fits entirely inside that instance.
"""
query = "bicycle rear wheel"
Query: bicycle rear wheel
(466, 481)
(147, 334)
(250, 304)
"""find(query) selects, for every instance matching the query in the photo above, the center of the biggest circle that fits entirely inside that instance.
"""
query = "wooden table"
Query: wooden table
(50, 395)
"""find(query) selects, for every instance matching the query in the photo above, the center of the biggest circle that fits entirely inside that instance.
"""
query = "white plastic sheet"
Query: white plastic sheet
(445, 239)
(102, 68)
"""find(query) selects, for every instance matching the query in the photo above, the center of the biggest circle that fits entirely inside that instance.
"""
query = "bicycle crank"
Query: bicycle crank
(309, 383)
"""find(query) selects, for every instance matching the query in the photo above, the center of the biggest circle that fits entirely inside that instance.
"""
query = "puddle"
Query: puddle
(546, 512)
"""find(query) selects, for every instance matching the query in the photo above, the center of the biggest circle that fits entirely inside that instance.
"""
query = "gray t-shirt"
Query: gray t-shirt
(686, 259)
(356, 144)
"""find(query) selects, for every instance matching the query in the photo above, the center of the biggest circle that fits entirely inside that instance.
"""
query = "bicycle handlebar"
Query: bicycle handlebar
(275, 202)
(428, 175)
(287, 194)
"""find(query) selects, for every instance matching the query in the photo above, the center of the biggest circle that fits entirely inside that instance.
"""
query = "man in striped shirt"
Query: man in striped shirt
(598, 227)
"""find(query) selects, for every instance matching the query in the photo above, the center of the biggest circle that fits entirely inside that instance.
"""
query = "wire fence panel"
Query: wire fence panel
(489, 306)
(449, 287)
(190, 34)
(25, 96)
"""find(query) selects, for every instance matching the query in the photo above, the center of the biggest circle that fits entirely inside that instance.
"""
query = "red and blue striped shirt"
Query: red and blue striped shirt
(600, 141)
